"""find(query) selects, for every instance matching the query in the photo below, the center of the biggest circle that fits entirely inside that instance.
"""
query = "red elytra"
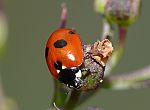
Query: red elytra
(64, 45)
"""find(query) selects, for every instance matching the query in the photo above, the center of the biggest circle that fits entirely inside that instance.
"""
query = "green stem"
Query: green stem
(64, 100)
(114, 60)
(60, 94)
(72, 100)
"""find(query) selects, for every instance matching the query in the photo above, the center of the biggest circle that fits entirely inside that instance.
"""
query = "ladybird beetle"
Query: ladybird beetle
(64, 56)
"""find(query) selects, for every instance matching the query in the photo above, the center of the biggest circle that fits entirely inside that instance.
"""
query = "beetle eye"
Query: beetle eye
(71, 32)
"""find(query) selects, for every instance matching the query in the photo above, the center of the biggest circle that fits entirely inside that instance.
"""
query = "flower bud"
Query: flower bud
(99, 5)
(122, 12)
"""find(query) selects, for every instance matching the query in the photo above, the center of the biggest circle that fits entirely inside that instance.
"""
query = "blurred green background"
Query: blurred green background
(24, 72)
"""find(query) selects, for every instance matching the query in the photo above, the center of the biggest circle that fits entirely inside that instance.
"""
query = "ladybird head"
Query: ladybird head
(69, 76)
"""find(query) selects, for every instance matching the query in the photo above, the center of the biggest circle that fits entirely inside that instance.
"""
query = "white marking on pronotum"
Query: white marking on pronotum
(58, 71)
(78, 74)
(64, 67)
(71, 57)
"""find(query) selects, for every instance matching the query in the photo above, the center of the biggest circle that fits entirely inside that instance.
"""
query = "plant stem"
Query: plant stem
(60, 94)
(118, 51)
(114, 60)
(72, 100)
(63, 18)
(122, 35)
(136, 79)
(107, 30)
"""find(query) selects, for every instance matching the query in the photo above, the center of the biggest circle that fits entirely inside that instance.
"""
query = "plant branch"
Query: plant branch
(60, 94)
(122, 35)
(136, 79)
(119, 48)
(63, 18)
(72, 99)
(108, 30)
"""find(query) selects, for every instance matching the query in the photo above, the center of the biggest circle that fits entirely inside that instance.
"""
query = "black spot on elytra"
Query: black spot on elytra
(60, 43)
(58, 65)
(46, 52)
(71, 32)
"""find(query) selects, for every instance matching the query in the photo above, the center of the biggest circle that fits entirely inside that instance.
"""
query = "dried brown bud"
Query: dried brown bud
(95, 58)
(101, 51)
